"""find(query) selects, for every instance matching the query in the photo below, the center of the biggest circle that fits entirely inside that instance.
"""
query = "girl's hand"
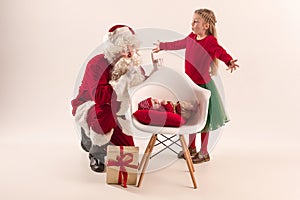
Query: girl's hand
(232, 65)
(156, 49)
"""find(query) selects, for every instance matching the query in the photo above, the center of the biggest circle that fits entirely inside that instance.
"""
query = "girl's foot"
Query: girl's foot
(200, 158)
(192, 151)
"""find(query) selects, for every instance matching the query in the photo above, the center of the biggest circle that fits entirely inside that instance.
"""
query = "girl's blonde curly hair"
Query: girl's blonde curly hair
(210, 18)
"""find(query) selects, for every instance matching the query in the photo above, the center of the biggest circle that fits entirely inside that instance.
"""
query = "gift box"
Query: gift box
(122, 165)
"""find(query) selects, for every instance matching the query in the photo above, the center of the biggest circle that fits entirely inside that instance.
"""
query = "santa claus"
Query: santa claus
(103, 93)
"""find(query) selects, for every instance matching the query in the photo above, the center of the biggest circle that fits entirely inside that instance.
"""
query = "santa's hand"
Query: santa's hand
(160, 62)
(156, 48)
(156, 63)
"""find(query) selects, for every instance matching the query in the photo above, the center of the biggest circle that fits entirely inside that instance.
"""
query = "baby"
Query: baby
(184, 108)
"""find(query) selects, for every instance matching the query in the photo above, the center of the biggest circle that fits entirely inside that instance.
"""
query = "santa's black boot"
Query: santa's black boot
(97, 158)
(86, 142)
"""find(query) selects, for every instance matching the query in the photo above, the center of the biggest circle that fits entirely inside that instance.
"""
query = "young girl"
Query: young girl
(202, 52)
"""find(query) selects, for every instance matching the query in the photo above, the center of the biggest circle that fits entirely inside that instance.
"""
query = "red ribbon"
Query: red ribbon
(123, 160)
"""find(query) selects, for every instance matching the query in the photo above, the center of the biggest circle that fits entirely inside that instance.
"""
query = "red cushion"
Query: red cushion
(158, 118)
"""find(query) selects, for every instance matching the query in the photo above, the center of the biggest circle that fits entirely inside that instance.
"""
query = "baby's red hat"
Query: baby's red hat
(145, 104)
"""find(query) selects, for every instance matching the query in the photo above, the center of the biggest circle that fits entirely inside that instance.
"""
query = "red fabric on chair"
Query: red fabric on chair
(159, 118)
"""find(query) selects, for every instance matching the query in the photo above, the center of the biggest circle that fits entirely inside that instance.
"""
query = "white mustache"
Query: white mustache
(123, 65)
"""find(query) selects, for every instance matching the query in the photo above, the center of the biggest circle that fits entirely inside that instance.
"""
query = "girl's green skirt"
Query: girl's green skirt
(216, 116)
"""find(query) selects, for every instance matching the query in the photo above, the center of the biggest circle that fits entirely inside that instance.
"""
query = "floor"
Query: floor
(36, 167)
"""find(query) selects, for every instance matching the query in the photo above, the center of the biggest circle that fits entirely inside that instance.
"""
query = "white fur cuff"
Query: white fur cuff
(81, 116)
(100, 139)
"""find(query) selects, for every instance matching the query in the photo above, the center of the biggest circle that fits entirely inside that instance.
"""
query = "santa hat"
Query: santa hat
(145, 104)
(120, 27)
(118, 31)
(118, 39)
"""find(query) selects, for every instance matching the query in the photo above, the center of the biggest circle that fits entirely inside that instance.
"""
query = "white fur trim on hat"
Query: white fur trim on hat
(119, 31)
(81, 116)
(100, 138)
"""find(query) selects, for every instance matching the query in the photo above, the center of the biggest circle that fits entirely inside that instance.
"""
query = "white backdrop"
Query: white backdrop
(44, 43)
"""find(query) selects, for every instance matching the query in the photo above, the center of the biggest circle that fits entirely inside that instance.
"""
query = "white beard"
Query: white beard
(126, 74)
(124, 64)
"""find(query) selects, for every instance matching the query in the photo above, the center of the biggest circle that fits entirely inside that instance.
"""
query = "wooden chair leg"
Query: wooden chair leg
(147, 150)
(146, 157)
(188, 159)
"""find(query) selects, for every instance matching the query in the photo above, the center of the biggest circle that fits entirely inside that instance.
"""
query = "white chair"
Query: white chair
(167, 84)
